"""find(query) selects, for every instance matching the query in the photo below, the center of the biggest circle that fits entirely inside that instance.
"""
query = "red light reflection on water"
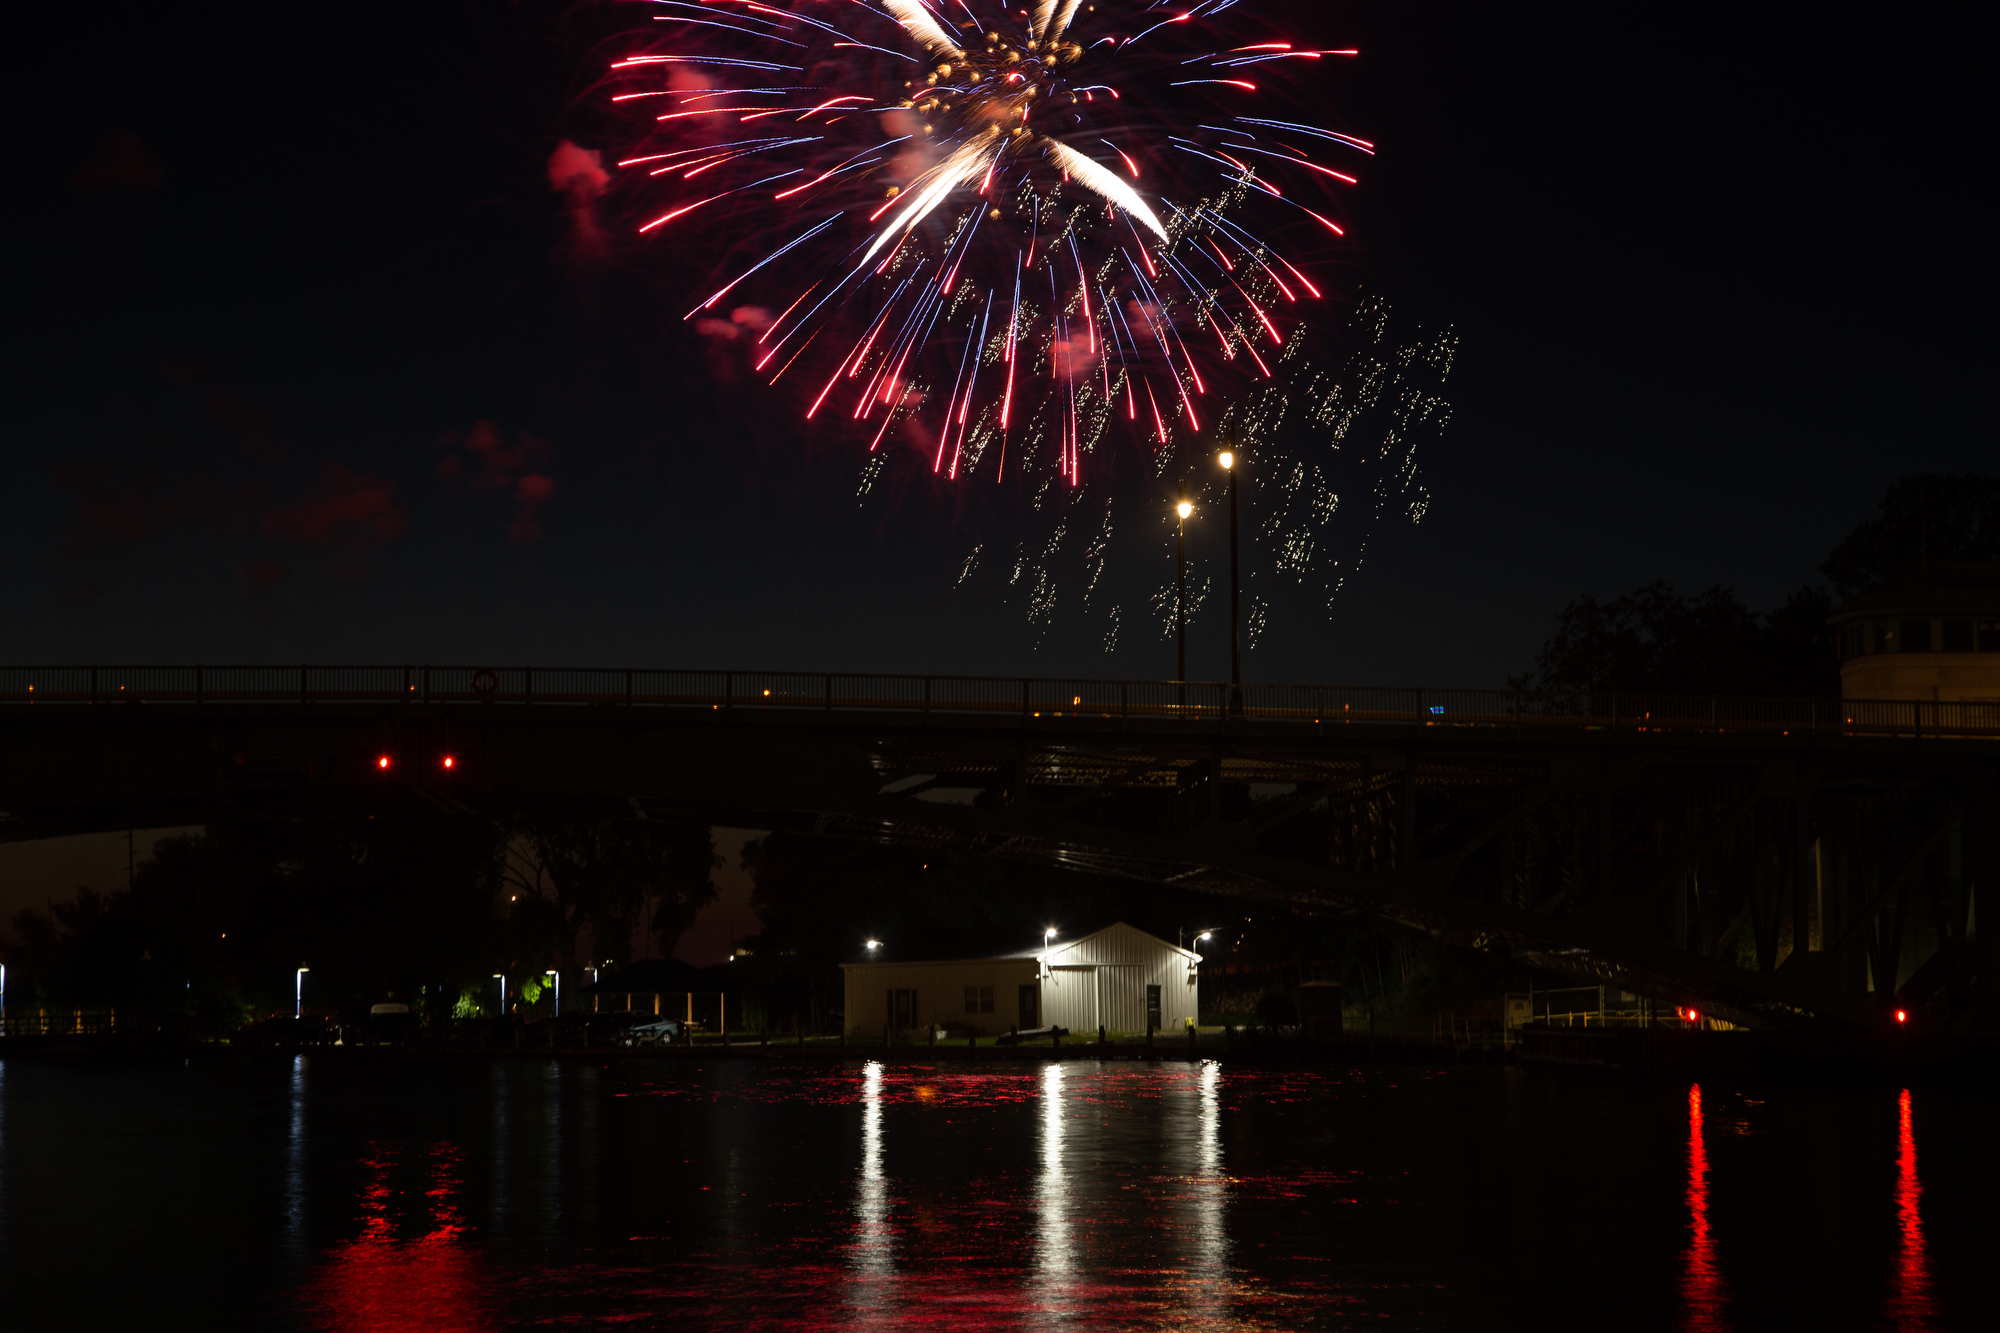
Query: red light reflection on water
(378, 1283)
(1911, 1306)
(1701, 1281)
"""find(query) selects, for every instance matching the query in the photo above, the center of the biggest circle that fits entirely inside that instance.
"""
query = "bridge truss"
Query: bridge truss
(1781, 862)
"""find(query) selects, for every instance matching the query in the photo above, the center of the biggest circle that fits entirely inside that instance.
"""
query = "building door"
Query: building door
(1031, 1007)
(1152, 1008)
(902, 1010)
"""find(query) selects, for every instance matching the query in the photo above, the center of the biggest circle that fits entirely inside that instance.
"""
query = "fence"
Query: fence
(64, 1023)
(1047, 698)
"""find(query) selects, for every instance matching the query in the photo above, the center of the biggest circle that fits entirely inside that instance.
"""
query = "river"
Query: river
(345, 1192)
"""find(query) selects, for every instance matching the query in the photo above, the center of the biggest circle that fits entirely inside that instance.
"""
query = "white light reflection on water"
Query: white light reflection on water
(1209, 1290)
(1053, 1259)
(497, 1080)
(295, 1163)
(874, 1256)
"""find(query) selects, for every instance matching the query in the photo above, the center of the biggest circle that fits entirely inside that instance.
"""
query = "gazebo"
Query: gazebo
(664, 988)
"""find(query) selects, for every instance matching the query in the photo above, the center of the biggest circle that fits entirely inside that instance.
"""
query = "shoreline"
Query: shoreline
(1864, 1059)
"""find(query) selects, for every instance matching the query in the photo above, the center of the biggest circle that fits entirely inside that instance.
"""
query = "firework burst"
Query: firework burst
(1011, 234)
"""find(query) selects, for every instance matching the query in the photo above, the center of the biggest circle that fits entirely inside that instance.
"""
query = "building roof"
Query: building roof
(979, 944)
(1943, 588)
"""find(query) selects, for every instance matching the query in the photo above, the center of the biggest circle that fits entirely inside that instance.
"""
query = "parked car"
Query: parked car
(387, 1024)
(661, 1031)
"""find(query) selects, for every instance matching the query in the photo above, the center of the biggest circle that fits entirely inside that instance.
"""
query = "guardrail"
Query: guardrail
(62, 1023)
(1194, 702)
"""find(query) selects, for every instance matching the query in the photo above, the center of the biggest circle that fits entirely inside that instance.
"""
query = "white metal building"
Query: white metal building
(1110, 977)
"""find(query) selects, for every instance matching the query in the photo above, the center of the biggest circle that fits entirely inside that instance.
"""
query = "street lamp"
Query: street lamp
(874, 944)
(299, 989)
(1180, 602)
(1180, 937)
(1228, 460)
(558, 990)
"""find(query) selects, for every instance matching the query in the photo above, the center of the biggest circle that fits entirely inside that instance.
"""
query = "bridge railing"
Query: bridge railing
(1195, 702)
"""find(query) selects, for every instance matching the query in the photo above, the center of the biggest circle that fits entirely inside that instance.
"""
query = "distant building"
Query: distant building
(1931, 636)
(989, 983)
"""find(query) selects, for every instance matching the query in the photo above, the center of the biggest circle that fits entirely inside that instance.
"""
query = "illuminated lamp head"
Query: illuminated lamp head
(874, 944)
(1184, 509)
(1227, 459)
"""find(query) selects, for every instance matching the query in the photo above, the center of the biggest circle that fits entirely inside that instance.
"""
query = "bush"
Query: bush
(1277, 1009)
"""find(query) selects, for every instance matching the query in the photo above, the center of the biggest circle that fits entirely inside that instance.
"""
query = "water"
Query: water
(362, 1194)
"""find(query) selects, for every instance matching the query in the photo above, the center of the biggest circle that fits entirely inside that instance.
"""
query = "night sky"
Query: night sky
(1712, 270)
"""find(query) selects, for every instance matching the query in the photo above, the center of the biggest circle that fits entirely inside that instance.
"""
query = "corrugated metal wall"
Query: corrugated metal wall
(1102, 979)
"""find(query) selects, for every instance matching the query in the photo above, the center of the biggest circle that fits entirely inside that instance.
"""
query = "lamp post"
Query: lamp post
(501, 977)
(1180, 600)
(1228, 460)
(299, 992)
(558, 990)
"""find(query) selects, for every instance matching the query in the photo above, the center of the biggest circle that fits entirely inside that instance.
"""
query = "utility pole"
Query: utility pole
(1180, 600)
(1228, 461)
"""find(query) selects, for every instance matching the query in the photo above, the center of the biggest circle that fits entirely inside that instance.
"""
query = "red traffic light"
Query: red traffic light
(447, 761)
(1902, 1016)
(382, 761)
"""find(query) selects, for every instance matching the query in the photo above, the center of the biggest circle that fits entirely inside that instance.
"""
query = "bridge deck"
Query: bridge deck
(1206, 704)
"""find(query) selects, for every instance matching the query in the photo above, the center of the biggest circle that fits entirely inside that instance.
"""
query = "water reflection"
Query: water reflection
(874, 1254)
(1208, 1292)
(1911, 1305)
(295, 1160)
(1053, 1258)
(382, 1283)
(1702, 1293)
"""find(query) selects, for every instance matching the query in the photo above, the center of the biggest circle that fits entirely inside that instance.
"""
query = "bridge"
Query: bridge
(1779, 862)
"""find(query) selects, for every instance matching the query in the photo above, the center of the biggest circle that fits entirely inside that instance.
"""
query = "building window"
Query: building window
(1958, 636)
(1989, 636)
(1885, 638)
(1916, 636)
(978, 999)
